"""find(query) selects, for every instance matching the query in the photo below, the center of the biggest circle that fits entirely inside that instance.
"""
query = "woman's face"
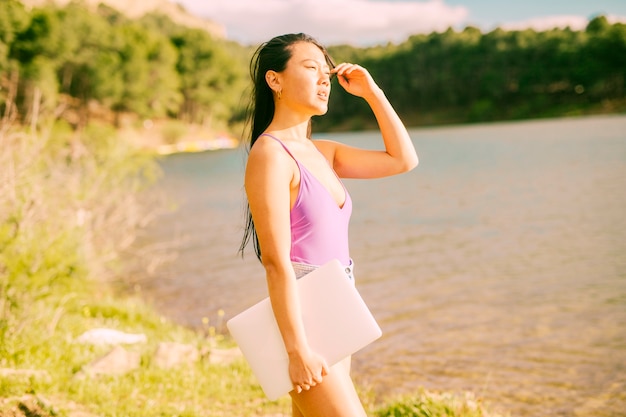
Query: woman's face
(305, 81)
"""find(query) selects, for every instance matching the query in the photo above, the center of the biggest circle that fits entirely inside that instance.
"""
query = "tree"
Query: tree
(91, 70)
(13, 19)
(39, 48)
(148, 70)
(605, 53)
(208, 74)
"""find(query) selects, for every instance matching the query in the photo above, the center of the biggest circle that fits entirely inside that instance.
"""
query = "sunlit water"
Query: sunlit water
(498, 266)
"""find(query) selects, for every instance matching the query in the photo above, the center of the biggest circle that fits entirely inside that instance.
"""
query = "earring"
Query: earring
(279, 93)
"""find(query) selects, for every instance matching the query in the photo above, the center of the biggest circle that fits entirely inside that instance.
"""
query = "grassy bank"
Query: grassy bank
(70, 203)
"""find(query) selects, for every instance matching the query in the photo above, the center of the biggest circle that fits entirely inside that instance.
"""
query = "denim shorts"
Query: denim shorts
(301, 269)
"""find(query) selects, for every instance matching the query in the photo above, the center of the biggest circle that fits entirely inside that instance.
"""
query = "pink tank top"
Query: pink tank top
(319, 227)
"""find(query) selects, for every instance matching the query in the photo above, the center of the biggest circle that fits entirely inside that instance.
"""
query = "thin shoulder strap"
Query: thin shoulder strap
(282, 144)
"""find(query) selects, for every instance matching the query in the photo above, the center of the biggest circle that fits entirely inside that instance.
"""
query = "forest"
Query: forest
(469, 76)
(77, 64)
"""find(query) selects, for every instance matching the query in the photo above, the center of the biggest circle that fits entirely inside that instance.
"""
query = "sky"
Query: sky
(371, 22)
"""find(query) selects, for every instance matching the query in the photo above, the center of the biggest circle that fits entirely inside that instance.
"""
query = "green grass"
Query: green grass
(200, 389)
(429, 404)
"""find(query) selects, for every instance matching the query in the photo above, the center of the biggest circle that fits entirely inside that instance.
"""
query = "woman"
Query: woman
(298, 208)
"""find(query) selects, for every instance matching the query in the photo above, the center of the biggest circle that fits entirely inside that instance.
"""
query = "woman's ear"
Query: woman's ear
(273, 80)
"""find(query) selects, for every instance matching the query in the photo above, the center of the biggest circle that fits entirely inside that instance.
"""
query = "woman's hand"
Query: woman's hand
(306, 370)
(355, 79)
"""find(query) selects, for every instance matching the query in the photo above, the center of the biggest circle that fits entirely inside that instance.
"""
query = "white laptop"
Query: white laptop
(336, 320)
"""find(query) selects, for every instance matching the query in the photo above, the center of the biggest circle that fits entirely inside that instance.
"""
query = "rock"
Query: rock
(170, 354)
(103, 336)
(224, 356)
(117, 362)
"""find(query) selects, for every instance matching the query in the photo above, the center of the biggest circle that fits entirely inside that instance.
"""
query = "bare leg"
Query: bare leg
(335, 396)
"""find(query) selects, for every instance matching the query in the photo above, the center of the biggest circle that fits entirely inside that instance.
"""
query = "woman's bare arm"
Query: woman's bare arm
(268, 178)
(399, 155)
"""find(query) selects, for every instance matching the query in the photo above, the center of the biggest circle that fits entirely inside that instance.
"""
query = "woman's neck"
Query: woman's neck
(286, 131)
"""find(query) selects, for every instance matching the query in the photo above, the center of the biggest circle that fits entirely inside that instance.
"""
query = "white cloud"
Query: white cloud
(616, 19)
(548, 22)
(551, 22)
(360, 22)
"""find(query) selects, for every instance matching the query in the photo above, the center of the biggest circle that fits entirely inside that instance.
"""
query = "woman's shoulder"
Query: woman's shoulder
(265, 144)
(268, 150)
(324, 142)
(326, 147)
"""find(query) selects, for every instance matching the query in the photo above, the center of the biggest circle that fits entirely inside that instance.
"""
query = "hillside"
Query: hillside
(132, 9)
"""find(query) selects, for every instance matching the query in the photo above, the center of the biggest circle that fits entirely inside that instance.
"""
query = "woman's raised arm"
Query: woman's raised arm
(399, 155)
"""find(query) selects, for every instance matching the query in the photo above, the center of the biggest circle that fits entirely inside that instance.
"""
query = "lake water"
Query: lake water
(498, 266)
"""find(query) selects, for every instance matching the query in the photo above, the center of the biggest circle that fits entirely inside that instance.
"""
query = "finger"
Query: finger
(349, 69)
(306, 387)
(342, 68)
(325, 369)
(298, 389)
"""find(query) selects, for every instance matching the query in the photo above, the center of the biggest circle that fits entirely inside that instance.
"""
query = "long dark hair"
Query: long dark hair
(272, 55)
